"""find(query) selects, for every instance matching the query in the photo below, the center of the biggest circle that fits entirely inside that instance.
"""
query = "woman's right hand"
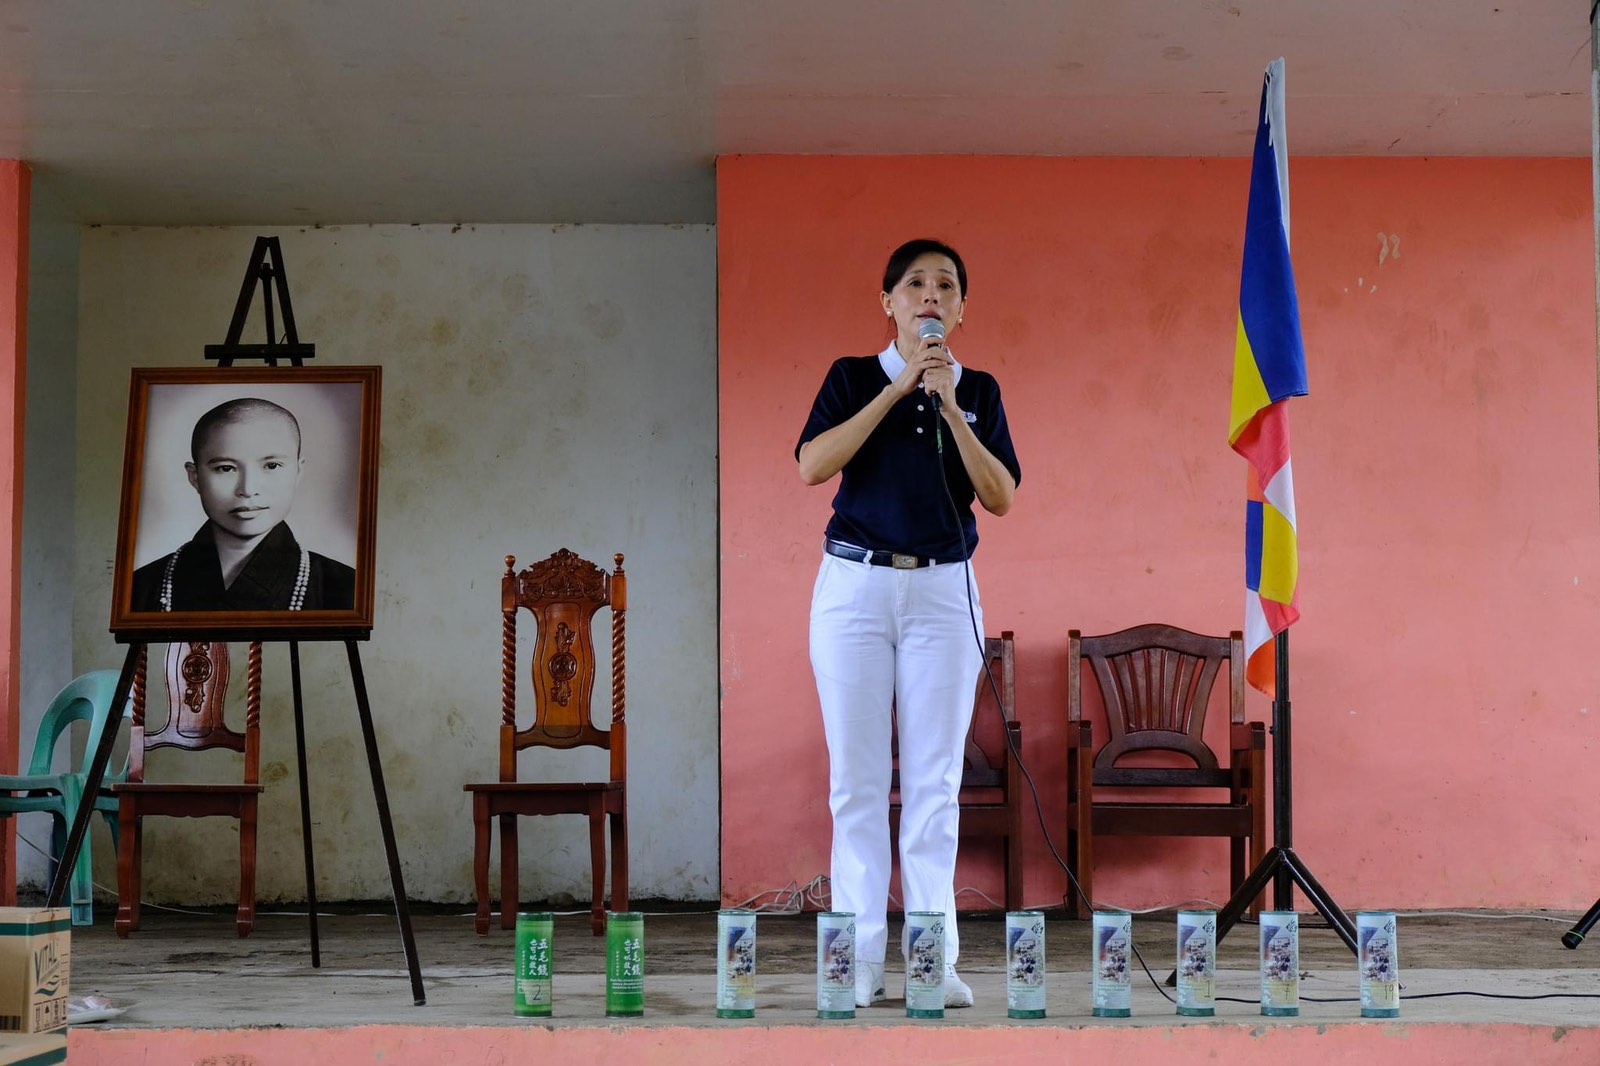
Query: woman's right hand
(929, 354)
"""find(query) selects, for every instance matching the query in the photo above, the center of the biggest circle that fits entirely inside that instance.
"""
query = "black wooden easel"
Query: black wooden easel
(270, 275)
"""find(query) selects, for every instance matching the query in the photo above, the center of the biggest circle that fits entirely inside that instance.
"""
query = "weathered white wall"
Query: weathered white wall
(544, 387)
(49, 458)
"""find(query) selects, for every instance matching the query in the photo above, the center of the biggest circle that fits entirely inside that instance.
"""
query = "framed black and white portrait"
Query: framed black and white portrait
(249, 501)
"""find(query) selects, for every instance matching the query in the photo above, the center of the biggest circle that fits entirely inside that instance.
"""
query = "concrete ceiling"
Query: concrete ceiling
(345, 111)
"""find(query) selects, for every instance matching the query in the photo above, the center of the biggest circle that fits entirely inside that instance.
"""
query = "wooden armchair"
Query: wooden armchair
(992, 788)
(197, 689)
(563, 593)
(1156, 682)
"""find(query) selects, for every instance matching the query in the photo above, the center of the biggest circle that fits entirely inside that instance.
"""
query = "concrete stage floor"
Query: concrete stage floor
(191, 972)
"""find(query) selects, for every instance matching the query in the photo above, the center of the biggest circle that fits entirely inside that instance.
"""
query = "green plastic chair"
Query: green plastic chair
(87, 698)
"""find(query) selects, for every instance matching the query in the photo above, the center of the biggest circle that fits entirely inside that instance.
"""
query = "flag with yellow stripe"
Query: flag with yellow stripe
(1269, 366)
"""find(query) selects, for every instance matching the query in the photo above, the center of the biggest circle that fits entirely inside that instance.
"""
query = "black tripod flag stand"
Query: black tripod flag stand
(1281, 865)
(270, 276)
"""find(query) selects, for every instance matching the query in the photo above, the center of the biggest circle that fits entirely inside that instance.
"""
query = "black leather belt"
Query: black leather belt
(863, 555)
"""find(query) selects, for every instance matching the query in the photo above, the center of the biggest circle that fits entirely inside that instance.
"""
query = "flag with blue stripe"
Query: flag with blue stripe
(1269, 367)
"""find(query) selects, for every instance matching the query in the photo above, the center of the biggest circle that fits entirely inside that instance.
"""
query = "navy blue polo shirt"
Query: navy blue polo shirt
(891, 497)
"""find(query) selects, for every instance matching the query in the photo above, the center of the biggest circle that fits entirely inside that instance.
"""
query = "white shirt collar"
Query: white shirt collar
(893, 362)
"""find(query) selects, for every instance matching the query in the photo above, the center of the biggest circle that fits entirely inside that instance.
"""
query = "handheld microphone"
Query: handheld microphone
(931, 329)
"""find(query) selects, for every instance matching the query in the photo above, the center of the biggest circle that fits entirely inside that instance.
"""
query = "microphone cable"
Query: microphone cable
(994, 687)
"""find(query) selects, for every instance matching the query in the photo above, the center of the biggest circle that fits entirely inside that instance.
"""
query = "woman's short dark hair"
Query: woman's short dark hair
(902, 258)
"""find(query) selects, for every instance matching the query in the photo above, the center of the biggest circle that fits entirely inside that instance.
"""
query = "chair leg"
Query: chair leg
(1013, 874)
(619, 858)
(480, 857)
(1236, 869)
(1258, 853)
(246, 919)
(1013, 853)
(1242, 861)
(1257, 799)
(509, 902)
(59, 828)
(1080, 861)
(82, 884)
(82, 891)
(128, 867)
(597, 864)
(1085, 875)
(1080, 820)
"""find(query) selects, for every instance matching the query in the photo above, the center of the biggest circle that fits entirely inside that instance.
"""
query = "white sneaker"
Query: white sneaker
(869, 983)
(957, 993)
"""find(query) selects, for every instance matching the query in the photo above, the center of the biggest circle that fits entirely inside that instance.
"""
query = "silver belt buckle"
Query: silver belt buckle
(902, 562)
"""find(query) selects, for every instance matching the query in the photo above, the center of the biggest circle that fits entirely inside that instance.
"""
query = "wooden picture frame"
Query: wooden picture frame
(218, 462)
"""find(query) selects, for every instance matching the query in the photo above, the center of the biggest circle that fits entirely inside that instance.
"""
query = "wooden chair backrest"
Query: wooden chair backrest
(981, 769)
(563, 594)
(197, 692)
(1156, 682)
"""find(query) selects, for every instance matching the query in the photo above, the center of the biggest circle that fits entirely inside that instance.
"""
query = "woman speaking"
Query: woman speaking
(896, 623)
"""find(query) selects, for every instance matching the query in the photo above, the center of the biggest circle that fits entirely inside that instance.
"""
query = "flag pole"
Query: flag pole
(1282, 775)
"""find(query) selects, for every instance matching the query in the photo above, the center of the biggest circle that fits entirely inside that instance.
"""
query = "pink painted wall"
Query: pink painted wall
(1445, 673)
(14, 199)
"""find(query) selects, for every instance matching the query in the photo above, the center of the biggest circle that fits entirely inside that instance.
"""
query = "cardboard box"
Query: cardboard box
(35, 969)
(46, 1049)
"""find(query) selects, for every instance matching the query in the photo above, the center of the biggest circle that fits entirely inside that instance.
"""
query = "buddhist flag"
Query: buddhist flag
(1269, 366)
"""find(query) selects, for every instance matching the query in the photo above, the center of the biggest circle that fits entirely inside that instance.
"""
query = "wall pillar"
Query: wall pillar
(14, 195)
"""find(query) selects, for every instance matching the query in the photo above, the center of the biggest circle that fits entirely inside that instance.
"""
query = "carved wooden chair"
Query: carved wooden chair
(197, 688)
(1156, 683)
(992, 788)
(563, 593)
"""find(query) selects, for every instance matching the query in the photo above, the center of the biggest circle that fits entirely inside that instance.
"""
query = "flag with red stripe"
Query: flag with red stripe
(1269, 366)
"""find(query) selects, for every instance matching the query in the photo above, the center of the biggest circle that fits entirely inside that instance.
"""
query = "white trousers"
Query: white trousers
(885, 639)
